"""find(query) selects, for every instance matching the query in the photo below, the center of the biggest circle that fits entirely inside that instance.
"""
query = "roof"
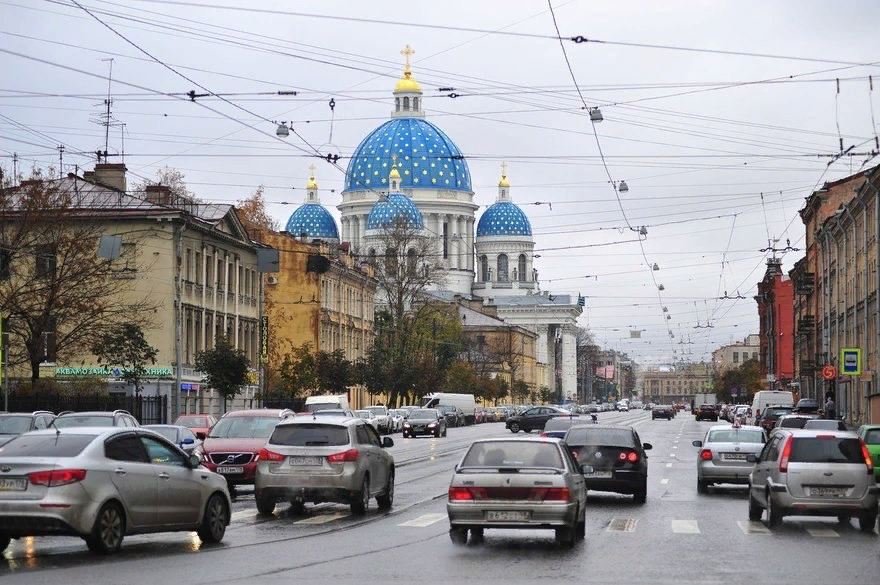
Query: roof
(471, 317)
(394, 207)
(314, 220)
(258, 412)
(504, 218)
(534, 300)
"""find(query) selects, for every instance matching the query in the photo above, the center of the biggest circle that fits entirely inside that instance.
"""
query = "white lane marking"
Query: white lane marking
(822, 533)
(424, 520)
(664, 481)
(752, 527)
(669, 465)
(675, 446)
(685, 527)
(623, 524)
(672, 455)
(324, 518)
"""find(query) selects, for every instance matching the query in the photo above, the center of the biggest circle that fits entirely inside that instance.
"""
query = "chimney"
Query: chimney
(111, 175)
(158, 194)
(89, 176)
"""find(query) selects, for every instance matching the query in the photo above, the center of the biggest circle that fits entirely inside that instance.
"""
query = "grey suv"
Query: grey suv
(814, 473)
(325, 459)
(116, 418)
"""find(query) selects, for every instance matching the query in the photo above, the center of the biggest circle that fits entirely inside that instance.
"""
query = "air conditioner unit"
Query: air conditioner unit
(272, 279)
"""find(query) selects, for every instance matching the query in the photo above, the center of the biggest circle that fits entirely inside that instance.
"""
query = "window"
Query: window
(446, 239)
(126, 448)
(46, 261)
(198, 268)
(397, 104)
(522, 268)
(484, 268)
(415, 104)
(502, 268)
(5, 258)
(736, 357)
(405, 104)
(363, 436)
(209, 270)
(411, 262)
(372, 256)
(391, 261)
(188, 265)
(50, 446)
(754, 355)
(162, 454)
(310, 435)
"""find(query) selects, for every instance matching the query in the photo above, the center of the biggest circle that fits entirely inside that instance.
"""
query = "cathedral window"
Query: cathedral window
(484, 269)
(522, 268)
(411, 261)
(502, 268)
(372, 256)
(415, 104)
(406, 104)
(397, 104)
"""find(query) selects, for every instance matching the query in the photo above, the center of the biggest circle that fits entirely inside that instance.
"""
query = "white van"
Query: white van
(767, 398)
(465, 402)
(316, 403)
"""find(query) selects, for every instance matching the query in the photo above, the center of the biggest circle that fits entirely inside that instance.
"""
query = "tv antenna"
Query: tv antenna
(105, 118)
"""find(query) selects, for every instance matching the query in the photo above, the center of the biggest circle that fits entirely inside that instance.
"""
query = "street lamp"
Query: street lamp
(282, 131)
(623, 187)
(596, 115)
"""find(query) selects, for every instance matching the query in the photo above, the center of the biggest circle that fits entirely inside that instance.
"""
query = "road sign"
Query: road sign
(829, 372)
(733, 392)
(851, 361)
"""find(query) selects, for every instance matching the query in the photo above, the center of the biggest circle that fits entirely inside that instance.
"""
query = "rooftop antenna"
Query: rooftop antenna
(60, 159)
(107, 103)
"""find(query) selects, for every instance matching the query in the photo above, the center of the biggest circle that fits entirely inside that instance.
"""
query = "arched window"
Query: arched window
(411, 261)
(502, 268)
(522, 268)
(484, 268)
(397, 104)
(415, 104)
(406, 104)
(391, 261)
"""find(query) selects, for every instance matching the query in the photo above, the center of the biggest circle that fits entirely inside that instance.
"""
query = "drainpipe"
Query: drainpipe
(853, 382)
(838, 226)
(826, 318)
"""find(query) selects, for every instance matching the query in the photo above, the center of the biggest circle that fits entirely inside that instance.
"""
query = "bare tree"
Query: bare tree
(171, 178)
(253, 210)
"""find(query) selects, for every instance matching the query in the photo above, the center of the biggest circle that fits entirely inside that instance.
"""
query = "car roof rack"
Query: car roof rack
(43, 412)
(66, 412)
(120, 411)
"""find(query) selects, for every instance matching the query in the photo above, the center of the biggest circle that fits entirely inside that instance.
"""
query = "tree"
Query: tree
(334, 372)
(297, 373)
(59, 297)
(253, 210)
(125, 346)
(746, 379)
(225, 368)
(545, 394)
(171, 178)
(519, 391)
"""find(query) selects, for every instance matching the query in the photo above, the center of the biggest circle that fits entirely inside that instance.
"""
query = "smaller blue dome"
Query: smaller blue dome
(314, 221)
(504, 218)
(395, 206)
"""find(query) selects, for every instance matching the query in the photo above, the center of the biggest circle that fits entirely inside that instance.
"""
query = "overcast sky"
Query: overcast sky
(692, 134)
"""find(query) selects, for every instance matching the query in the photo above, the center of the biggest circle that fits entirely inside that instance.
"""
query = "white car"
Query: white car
(383, 418)
(369, 417)
(398, 415)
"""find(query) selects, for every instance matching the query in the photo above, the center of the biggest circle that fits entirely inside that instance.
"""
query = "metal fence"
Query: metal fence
(148, 410)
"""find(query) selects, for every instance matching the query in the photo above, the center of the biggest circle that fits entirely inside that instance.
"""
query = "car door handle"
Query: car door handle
(119, 471)
(164, 475)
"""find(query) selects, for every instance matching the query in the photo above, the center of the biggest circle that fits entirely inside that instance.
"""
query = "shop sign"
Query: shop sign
(110, 372)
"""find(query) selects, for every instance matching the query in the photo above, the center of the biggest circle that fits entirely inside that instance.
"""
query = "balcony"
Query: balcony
(806, 325)
(806, 284)
(807, 366)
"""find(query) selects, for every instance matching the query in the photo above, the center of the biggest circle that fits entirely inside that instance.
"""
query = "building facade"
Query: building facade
(676, 386)
(775, 300)
(728, 357)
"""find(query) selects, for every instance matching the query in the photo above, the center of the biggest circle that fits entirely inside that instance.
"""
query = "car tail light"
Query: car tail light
(545, 435)
(706, 454)
(632, 457)
(553, 494)
(460, 494)
(867, 455)
(56, 477)
(266, 455)
(786, 453)
(350, 455)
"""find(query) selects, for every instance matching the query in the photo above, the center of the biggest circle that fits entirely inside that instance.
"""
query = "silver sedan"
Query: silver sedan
(103, 483)
(518, 483)
(728, 454)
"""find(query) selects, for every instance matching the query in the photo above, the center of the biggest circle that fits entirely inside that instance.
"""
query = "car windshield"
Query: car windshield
(444, 409)
(14, 425)
(310, 435)
(60, 445)
(377, 410)
(872, 437)
(600, 436)
(562, 423)
(363, 413)
(75, 420)
(826, 450)
(736, 436)
(244, 427)
(828, 425)
(194, 422)
(513, 454)
(167, 432)
(423, 415)
(793, 423)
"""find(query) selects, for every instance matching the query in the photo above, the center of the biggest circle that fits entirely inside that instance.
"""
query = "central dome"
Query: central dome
(426, 157)
(504, 218)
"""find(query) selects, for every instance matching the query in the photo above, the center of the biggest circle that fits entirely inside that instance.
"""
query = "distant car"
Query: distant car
(814, 473)
(828, 425)
(13, 424)
(425, 421)
(454, 415)
(616, 455)
(870, 435)
(534, 418)
(771, 414)
(807, 406)
(662, 411)
(531, 483)
(706, 412)
(325, 459)
(793, 421)
(199, 424)
(368, 417)
(728, 454)
(383, 418)
(116, 418)
(398, 416)
(103, 484)
(181, 436)
(557, 427)
(332, 412)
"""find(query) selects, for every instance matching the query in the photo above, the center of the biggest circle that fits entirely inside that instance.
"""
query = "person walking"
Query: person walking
(829, 409)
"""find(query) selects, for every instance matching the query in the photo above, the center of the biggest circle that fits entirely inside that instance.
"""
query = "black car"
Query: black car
(424, 421)
(534, 418)
(617, 456)
(13, 424)
(558, 426)
(793, 421)
(807, 406)
(706, 412)
(662, 411)
(454, 416)
(771, 415)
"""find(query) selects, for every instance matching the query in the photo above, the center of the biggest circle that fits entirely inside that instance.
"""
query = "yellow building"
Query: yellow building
(677, 386)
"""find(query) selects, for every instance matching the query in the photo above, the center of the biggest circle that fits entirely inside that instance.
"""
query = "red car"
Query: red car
(200, 424)
(233, 445)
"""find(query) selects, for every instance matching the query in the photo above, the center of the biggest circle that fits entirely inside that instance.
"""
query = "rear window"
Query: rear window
(61, 445)
(562, 423)
(198, 422)
(513, 454)
(75, 420)
(310, 435)
(793, 423)
(826, 450)
(776, 411)
(872, 437)
(244, 427)
(736, 436)
(608, 437)
(14, 425)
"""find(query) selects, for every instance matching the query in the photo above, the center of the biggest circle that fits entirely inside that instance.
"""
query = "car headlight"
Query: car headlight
(406, 425)
(433, 424)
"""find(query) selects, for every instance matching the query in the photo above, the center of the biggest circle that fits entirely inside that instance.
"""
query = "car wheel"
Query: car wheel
(386, 500)
(702, 487)
(774, 514)
(582, 527)
(108, 531)
(361, 502)
(641, 494)
(844, 518)
(755, 509)
(867, 520)
(477, 535)
(265, 506)
(514, 428)
(214, 521)
(458, 536)
(566, 536)
(4, 542)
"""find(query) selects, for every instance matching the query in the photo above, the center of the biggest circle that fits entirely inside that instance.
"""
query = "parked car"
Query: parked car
(13, 424)
(534, 418)
(706, 412)
(181, 436)
(870, 435)
(771, 415)
(558, 426)
(200, 424)
(329, 459)
(728, 454)
(662, 411)
(398, 416)
(807, 406)
(814, 473)
(616, 455)
(368, 417)
(517, 483)
(103, 484)
(116, 418)
(793, 421)
(232, 446)
(425, 421)
(830, 425)
(453, 414)
(383, 418)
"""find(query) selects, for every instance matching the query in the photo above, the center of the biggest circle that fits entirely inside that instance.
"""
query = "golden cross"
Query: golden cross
(312, 168)
(406, 52)
(504, 168)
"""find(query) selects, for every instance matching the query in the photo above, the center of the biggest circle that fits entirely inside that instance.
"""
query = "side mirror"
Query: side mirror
(752, 459)
(387, 442)
(647, 446)
(697, 443)
(195, 460)
(187, 441)
(586, 469)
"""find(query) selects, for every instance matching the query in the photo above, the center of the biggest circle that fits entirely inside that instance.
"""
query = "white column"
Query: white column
(237, 293)
(461, 243)
(470, 243)
(569, 363)
(344, 234)
(361, 230)
(438, 230)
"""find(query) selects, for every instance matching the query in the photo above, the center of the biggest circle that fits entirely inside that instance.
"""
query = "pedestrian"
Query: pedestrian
(829, 409)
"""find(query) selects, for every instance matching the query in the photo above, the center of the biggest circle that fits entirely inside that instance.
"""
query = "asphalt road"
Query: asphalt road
(677, 537)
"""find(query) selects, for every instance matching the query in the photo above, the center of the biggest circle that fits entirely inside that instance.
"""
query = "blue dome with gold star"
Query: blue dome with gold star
(313, 220)
(426, 157)
(396, 206)
(504, 218)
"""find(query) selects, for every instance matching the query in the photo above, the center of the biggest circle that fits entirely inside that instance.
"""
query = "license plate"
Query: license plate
(506, 516)
(734, 456)
(229, 469)
(13, 485)
(599, 475)
(306, 461)
(824, 491)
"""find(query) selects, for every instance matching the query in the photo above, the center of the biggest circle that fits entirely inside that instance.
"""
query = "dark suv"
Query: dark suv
(707, 412)
(662, 411)
(13, 424)
(617, 457)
